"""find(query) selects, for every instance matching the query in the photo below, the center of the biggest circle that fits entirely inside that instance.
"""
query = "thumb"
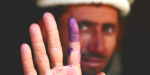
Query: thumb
(101, 73)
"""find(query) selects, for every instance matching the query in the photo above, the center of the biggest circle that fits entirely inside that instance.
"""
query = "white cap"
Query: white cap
(122, 5)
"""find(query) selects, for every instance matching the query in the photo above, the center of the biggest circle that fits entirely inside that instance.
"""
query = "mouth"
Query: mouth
(91, 61)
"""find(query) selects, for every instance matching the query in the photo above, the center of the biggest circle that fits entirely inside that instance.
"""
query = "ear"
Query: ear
(43, 30)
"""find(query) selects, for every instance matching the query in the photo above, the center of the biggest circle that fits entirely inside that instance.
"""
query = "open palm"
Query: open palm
(54, 50)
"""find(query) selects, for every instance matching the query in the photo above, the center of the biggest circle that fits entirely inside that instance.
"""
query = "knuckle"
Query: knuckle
(26, 60)
(37, 41)
(55, 46)
(58, 64)
(41, 58)
(53, 32)
(31, 71)
(46, 72)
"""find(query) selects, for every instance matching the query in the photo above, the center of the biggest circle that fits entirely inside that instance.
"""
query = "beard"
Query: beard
(92, 70)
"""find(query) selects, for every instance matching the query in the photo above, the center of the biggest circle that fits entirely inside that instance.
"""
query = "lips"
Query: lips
(91, 61)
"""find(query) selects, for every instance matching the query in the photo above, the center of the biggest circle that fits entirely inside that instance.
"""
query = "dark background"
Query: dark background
(16, 17)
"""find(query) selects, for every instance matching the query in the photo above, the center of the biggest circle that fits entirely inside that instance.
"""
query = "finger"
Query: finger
(101, 73)
(27, 60)
(74, 42)
(54, 46)
(41, 58)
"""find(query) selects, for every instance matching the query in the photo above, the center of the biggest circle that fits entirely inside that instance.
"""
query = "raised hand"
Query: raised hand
(54, 50)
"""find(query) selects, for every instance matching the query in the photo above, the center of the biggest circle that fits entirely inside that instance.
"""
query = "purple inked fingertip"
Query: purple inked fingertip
(73, 30)
(73, 25)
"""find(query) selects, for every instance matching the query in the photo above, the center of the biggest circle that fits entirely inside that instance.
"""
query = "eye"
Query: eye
(108, 28)
(82, 27)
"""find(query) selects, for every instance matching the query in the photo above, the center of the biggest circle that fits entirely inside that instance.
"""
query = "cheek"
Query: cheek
(110, 44)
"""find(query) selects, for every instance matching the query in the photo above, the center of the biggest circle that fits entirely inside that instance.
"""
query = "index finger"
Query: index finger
(74, 42)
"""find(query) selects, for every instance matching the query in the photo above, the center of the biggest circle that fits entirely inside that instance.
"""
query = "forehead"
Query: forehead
(102, 13)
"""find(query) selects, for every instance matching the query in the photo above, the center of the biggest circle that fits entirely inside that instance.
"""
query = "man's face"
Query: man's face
(98, 34)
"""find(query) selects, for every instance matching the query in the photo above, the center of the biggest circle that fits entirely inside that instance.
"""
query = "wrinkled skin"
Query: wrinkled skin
(97, 38)
(98, 34)
(54, 50)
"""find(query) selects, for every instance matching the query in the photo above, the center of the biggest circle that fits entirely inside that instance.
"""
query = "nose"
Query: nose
(96, 43)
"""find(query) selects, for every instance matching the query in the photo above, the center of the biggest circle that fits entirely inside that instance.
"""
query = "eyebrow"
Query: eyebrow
(86, 23)
(109, 24)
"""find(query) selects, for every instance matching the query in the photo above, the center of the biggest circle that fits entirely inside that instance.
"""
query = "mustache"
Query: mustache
(93, 55)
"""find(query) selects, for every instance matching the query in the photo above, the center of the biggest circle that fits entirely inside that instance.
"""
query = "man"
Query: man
(98, 22)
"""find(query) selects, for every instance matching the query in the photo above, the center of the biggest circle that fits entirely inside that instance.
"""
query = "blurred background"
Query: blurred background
(16, 17)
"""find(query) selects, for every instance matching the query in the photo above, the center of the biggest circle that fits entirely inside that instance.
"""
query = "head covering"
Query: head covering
(122, 5)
